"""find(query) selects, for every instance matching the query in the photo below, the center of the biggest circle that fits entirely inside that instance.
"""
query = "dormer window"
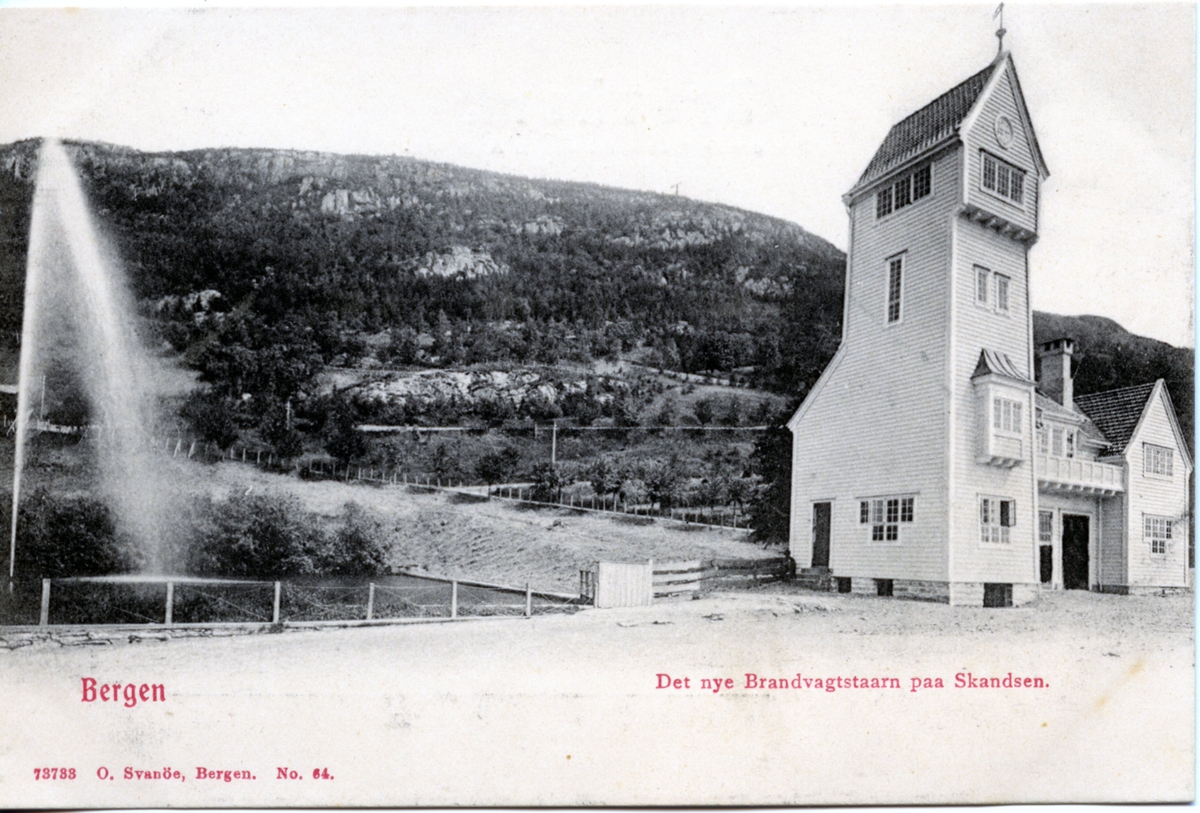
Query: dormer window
(1003, 179)
(904, 191)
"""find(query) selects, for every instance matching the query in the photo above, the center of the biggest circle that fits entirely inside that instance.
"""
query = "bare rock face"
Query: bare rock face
(470, 388)
(460, 262)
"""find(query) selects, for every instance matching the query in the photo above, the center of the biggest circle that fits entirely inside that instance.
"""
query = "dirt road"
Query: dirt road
(567, 710)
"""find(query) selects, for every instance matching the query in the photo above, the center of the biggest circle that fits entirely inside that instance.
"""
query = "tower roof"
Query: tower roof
(929, 125)
(941, 120)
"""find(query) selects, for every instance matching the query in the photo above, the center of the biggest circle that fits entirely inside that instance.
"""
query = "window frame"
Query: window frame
(885, 516)
(895, 268)
(1153, 451)
(983, 281)
(1003, 283)
(1158, 533)
(1002, 169)
(993, 513)
(1008, 416)
(903, 191)
(1045, 534)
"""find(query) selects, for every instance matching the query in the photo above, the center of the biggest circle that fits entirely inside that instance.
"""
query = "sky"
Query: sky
(776, 110)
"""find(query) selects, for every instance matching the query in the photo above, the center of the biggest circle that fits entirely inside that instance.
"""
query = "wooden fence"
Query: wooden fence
(608, 585)
(200, 602)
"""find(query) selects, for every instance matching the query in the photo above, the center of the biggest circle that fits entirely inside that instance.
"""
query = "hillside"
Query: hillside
(438, 265)
(265, 267)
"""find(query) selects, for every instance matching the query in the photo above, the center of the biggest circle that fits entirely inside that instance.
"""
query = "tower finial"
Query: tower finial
(1001, 31)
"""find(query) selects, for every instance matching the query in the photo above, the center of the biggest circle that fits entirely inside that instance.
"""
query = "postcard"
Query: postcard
(562, 406)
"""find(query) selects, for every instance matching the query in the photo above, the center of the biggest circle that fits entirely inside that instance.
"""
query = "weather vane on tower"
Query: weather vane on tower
(1001, 31)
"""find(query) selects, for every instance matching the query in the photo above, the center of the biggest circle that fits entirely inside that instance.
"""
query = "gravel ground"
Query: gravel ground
(566, 710)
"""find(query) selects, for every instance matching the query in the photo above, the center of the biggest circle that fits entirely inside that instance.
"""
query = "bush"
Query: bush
(68, 536)
(356, 546)
(265, 536)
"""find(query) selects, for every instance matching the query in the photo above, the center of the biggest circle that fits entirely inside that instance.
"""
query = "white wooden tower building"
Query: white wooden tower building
(924, 460)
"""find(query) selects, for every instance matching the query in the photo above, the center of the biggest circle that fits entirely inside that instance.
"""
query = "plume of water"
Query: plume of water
(78, 321)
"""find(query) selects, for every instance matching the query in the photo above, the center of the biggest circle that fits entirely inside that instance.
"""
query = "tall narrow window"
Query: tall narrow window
(981, 285)
(903, 194)
(895, 270)
(1001, 293)
(883, 202)
(1056, 447)
(1070, 443)
(1046, 527)
(922, 182)
(989, 172)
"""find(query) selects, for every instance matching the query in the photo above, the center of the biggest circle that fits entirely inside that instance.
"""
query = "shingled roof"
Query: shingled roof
(927, 126)
(1116, 412)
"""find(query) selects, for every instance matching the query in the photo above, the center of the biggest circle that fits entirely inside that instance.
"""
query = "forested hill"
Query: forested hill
(1108, 357)
(263, 266)
(320, 252)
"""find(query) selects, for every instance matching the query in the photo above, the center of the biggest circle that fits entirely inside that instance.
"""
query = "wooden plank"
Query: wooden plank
(678, 577)
(689, 587)
(672, 567)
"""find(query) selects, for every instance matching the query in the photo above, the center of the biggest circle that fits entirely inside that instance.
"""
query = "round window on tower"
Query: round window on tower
(1004, 131)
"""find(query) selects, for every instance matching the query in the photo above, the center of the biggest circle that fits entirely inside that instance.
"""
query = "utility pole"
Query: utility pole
(554, 444)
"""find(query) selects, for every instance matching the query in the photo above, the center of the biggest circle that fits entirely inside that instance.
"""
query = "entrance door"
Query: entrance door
(1075, 552)
(1047, 563)
(820, 556)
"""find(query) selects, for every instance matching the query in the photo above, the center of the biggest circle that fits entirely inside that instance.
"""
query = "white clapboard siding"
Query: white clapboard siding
(982, 136)
(875, 428)
(1156, 495)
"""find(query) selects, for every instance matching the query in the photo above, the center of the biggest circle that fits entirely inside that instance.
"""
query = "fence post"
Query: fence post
(275, 607)
(169, 615)
(454, 598)
(528, 600)
(370, 601)
(44, 615)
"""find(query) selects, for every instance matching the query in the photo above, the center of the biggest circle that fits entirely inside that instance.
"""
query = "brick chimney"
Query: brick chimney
(1054, 371)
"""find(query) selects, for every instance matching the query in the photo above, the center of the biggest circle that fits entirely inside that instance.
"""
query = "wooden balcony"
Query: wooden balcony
(1079, 476)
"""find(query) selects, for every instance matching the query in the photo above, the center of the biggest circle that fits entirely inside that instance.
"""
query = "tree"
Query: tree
(445, 462)
(733, 412)
(604, 476)
(770, 507)
(497, 466)
(547, 482)
(705, 410)
(664, 482)
(669, 412)
(625, 411)
(276, 429)
(343, 440)
(211, 416)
